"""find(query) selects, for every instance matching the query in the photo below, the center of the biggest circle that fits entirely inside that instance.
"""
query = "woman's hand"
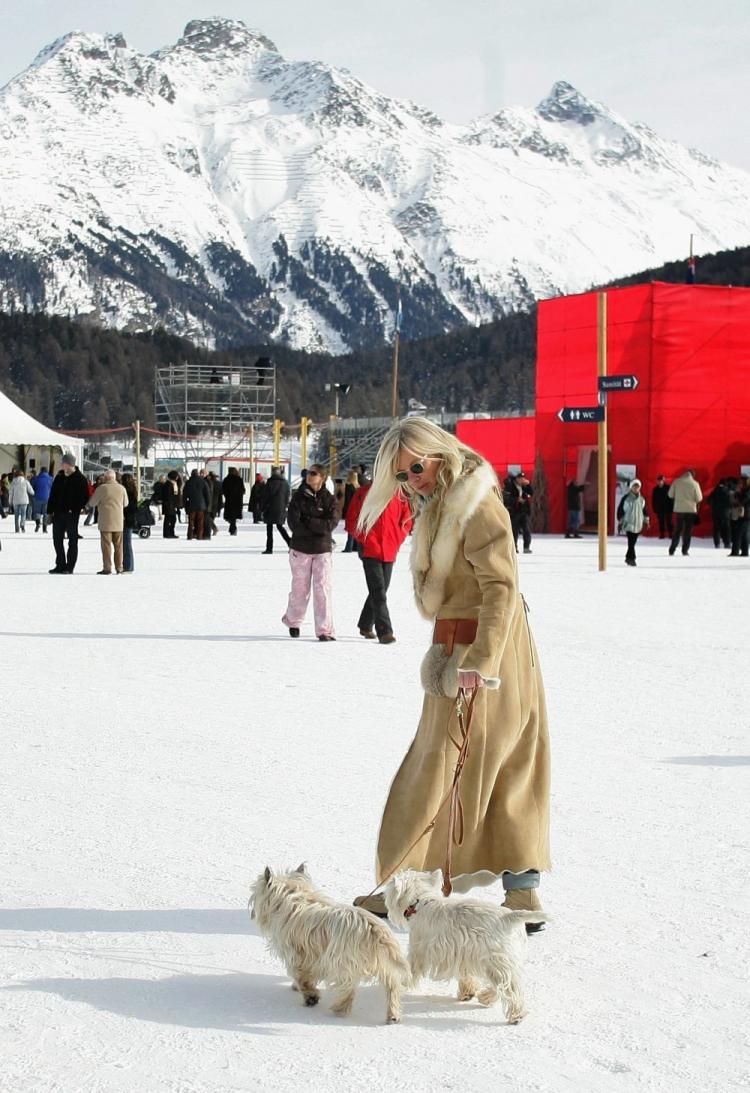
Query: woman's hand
(468, 681)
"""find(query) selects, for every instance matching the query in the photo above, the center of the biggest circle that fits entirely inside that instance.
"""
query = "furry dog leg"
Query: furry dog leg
(342, 1006)
(306, 986)
(467, 988)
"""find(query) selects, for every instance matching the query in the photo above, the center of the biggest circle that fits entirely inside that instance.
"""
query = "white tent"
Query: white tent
(42, 443)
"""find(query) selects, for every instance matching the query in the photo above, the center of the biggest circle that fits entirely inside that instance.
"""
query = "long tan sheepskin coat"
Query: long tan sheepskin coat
(464, 566)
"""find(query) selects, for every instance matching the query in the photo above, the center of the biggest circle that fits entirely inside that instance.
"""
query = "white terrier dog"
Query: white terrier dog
(321, 940)
(480, 944)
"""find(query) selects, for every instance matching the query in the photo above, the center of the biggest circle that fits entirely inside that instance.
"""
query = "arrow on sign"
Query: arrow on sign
(618, 383)
(581, 413)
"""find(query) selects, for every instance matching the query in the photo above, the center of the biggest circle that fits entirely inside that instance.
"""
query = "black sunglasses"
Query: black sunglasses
(403, 476)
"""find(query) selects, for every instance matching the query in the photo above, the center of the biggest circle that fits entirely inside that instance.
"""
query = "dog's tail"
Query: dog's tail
(393, 961)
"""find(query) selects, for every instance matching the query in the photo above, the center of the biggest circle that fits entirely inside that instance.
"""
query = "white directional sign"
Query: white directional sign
(618, 383)
(581, 413)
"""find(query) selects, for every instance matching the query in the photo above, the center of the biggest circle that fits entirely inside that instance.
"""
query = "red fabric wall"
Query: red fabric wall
(689, 346)
(503, 441)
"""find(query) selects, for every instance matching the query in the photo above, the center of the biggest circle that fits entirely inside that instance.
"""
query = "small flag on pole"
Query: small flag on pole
(399, 317)
(690, 273)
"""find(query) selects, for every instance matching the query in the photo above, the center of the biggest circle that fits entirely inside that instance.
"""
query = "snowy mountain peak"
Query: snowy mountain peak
(230, 195)
(565, 103)
(215, 35)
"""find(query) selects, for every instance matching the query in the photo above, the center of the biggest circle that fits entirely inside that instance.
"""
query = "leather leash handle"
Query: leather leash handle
(455, 807)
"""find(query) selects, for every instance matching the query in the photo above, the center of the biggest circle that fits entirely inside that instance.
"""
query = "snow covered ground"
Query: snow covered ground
(163, 739)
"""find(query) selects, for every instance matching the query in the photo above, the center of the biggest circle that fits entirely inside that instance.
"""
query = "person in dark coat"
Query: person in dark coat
(573, 501)
(255, 504)
(233, 492)
(720, 500)
(69, 494)
(275, 504)
(312, 518)
(517, 494)
(350, 488)
(197, 497)
(662, 506)
(214, 505)
(129, 524)
(740, 520)
(169, 497)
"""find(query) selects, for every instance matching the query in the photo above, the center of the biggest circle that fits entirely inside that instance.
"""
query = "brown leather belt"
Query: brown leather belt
(450, 632)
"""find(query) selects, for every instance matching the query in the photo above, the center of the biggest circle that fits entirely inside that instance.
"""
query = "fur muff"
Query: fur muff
(320, 940)
(439, 671)
(480, 944)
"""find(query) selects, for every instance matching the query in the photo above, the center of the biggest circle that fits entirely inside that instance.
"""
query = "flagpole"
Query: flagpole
(394, 387)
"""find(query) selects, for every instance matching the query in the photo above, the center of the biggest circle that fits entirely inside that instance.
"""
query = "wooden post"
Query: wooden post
(251, 453)
(394, 380)
(303, 442)
(603, 460)
(138, 460)
(332, 453)
(277, 442)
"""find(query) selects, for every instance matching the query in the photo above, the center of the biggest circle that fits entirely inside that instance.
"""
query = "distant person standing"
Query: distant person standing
(233, 492)
(662, 506)
(110, 499)
(21, 495)
(312, 518)
(275, 503)
(517, 495)
(129, 524)
(196, 495)
(169, 497)
(69, 494)
(350, 488)
(573, 494)
(633, 517)
(687, 495)
(720, 500)
(42, 484)
(377, 550)
(255, 503)
(741, 520)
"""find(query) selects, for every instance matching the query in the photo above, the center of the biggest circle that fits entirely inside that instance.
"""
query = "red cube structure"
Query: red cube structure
(688, 346)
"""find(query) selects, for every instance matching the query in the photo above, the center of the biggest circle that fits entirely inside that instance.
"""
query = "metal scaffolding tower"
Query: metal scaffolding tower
(194, 400)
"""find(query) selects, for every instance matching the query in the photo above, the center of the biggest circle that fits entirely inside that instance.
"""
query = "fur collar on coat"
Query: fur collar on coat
(438, 533)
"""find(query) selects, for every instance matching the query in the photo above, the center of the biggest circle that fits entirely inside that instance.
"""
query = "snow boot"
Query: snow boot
(375, 904)
(523, 898)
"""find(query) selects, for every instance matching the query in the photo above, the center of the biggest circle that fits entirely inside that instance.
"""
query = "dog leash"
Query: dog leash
(456, 808)
(465, 698)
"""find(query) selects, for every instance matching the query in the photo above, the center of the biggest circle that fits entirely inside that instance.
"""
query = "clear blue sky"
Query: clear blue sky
(681, 66)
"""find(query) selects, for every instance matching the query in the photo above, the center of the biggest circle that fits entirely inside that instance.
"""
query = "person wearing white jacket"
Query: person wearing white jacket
(633, 517)
(19, 497)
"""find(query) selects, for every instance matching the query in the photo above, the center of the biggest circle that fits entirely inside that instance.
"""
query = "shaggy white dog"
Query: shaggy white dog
(322, 940)
(479, 943)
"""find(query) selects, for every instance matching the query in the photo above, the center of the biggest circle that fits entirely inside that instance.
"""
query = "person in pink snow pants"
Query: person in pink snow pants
(312, 518)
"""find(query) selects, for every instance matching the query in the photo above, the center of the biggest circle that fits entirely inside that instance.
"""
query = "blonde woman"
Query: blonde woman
(463, 564)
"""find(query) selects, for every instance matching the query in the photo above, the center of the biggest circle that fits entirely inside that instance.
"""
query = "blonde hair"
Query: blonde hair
(352, 479)
(424, 440)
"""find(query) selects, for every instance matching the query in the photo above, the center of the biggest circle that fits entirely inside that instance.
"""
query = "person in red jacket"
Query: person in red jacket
(378, 550)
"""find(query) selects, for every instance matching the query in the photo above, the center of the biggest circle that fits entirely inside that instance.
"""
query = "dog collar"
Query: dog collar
(411, 909)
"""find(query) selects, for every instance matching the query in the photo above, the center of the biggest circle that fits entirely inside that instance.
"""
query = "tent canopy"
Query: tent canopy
(18, 427)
